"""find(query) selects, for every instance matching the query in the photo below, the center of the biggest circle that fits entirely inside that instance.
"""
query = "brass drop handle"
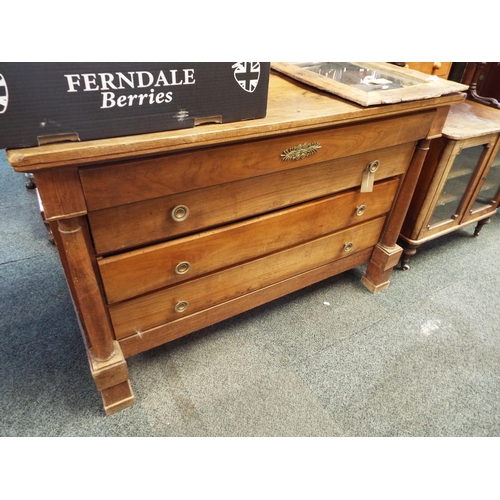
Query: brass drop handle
(182, 267)
(180, 213)
(348, 246)
(360, 210)
(181, 306)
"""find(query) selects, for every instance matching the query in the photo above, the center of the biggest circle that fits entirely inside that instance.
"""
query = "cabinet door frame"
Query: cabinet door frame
(452, 149)
(471, 215)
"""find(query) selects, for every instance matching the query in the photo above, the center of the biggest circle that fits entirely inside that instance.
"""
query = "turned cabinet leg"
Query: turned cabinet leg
(480, 225)
(405, 265)
(408, 251)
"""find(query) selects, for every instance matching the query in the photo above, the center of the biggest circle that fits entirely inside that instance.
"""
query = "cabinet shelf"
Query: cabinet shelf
(484, 201)
(460, 172)
(487, 186)
(447, 198)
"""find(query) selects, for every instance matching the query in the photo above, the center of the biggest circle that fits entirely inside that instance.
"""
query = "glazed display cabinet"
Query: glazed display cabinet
(460, 180)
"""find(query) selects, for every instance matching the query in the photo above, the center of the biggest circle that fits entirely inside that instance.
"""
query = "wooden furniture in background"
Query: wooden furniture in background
(485, 84)
(163, 234)
(440, 69)
(483, 79)
(460, 180)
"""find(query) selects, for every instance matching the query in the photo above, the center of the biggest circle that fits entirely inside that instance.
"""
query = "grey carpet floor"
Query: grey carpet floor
(421, 358)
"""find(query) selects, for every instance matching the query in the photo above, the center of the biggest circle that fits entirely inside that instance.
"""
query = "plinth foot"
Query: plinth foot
(383, 260)
(111, 378)
(117, 398)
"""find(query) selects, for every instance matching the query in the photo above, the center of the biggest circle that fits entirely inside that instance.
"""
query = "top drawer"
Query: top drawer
(128, 182)
(159, 219)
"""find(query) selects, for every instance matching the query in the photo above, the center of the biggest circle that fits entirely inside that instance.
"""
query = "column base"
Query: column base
(382, 262)
(111, 378)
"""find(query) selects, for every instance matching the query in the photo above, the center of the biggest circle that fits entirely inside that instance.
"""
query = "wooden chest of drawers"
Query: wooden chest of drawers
(163, 234)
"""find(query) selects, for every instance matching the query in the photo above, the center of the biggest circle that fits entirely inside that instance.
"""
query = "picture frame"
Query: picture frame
(369, 84)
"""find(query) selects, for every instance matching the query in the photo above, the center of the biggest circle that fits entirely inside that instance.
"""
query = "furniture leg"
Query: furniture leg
(480, 225)
(387, 253)
(408, 251)
(107, 363)
(30, 183)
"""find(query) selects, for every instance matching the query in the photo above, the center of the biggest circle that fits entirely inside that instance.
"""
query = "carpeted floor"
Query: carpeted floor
(419, 359)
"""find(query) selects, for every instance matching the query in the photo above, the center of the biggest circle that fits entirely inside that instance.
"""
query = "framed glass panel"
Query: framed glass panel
(489, 193)
(369, 83)
(456, 184)
(365, 78)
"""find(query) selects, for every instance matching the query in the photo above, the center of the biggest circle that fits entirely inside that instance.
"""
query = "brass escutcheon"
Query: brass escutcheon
(300, 151)
(181, 306)
(360, 210)
(180, 213)
(373, 166)
(182, 267)
(348, 246)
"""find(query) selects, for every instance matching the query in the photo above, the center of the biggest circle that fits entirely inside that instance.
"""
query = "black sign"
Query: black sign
(49, 102)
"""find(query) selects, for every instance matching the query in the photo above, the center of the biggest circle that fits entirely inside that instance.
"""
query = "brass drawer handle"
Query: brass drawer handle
(348, 246)
(180, 213)
(182, 267)
(181, 306)
(300, 151)
(360, 210)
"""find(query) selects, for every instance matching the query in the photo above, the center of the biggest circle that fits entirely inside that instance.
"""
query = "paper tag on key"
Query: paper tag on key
(369, 176)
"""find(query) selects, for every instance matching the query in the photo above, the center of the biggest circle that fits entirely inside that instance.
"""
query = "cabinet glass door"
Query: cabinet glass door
(489, 193)
(456, 184)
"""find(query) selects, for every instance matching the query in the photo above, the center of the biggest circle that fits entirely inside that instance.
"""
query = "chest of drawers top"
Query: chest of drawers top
(292, 108)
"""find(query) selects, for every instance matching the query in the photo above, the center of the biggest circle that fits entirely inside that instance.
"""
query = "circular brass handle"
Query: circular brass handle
(373, 166)
(180, 213)
(182, 267)
(348, 246)
(360, 210)
(181, 306)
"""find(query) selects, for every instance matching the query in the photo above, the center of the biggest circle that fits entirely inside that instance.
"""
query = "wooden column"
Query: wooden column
(65, 211)
(387, 253)
(81, 272)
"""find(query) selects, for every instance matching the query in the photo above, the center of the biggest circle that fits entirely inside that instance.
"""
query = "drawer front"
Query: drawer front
(145, 312)
(141, 271)
(128, 182)
(128, 226)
